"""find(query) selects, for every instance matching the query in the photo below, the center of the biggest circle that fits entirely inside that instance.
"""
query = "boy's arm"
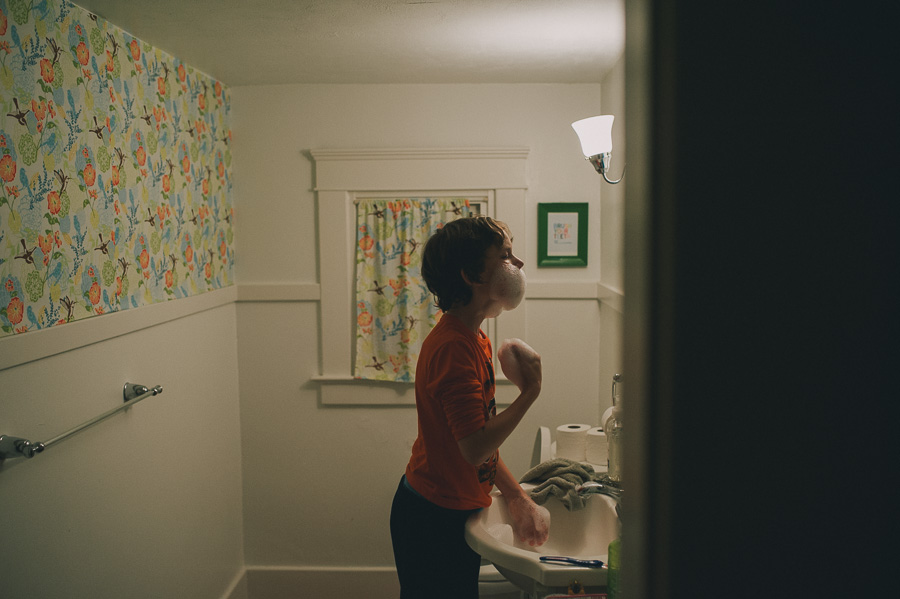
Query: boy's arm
(481, 445)
(531, 523)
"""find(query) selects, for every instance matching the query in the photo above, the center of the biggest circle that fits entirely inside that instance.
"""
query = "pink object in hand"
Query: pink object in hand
(509, 361)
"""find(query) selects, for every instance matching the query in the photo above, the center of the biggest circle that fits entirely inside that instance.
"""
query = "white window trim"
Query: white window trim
(342, 176)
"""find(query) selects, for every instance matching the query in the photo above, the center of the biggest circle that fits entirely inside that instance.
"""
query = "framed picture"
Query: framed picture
(562, 234)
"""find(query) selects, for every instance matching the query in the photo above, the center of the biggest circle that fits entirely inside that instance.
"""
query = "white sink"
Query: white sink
(582, 534)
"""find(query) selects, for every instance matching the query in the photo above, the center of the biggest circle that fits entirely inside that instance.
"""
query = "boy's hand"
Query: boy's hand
(521, 364)
(530, 522)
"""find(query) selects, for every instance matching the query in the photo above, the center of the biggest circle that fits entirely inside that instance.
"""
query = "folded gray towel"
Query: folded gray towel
(559, 477)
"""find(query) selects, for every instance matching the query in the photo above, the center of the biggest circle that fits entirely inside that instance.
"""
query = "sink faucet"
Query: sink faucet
(604, 486)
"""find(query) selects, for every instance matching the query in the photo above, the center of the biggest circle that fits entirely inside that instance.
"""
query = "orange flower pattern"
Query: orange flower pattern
(394, 309)
(115, 171)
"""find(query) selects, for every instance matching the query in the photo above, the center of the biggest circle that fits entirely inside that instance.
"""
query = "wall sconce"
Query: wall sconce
(595, 134)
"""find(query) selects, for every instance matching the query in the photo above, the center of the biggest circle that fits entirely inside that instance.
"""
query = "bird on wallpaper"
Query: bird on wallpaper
(115, 44)
(124, 264)
(69, 304)
(63, 179)
(103, 247)
(26, 255)
(152, 219)
(98, 129)
(19, 114)
(171, 168)
(55, 48)
(121, 156)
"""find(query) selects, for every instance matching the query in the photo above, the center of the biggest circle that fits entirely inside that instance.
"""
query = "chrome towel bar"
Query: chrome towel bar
(15, 447)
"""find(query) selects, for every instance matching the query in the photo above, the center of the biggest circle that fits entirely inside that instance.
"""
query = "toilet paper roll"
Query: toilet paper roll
(597, 449)
(571, 441)
(605, 417)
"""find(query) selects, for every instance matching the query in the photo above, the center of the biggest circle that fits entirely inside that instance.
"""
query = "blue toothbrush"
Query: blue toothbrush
(571, 561)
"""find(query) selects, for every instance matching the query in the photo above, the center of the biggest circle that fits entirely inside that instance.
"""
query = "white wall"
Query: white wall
(148, 502)
(612, 238)
(318, 479)
(612, 200)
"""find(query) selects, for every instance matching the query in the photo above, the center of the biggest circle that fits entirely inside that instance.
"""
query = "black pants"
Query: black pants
(430, 551)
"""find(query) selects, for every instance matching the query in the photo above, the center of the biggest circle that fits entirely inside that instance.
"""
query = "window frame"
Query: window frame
(342, 177)
(483, 199)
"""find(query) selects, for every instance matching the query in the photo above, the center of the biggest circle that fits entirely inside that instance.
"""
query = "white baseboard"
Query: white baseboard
(276, 582)
(238, 587)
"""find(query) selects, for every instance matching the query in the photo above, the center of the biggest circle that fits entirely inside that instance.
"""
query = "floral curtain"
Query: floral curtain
(394, 309)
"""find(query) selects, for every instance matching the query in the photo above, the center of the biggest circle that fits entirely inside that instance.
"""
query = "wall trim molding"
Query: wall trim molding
(418, 153)
(398, 169)
(279, 292)
(536, 290)
(16, 350)
(611, 297)
(564, 290)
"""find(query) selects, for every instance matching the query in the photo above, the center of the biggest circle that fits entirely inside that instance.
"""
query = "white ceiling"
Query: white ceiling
(254, 42)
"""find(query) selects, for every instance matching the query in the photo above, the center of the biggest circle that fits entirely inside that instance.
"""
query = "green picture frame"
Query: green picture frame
(563, 234)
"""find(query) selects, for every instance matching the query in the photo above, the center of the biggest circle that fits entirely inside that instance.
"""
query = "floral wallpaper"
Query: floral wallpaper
(395, 311)
(115, 170)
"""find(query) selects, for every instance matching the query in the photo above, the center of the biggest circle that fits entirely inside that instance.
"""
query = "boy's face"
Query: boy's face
(496, 255)
(502, 280)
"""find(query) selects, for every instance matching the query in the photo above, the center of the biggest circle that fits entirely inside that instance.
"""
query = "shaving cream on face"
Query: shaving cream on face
(507, 285)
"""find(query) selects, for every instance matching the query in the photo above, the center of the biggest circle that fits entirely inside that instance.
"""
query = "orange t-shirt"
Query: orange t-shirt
(454, 398)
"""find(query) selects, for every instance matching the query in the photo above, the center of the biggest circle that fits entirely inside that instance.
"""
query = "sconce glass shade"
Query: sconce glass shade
(595, 134)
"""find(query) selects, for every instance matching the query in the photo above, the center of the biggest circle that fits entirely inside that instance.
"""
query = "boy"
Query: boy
(470, 268)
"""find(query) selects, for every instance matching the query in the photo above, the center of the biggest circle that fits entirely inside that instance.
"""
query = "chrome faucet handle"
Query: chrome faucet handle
(587, 486)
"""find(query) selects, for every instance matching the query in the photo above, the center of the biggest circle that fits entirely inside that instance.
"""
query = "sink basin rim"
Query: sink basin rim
(527, 562)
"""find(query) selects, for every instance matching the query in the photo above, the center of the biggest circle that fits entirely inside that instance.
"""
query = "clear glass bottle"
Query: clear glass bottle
(614, 430)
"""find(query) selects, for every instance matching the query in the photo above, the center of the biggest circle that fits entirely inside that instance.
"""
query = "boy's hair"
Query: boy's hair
(459, 246)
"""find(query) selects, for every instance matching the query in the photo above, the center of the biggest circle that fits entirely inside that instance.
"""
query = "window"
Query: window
(492, 178)
(395, 311)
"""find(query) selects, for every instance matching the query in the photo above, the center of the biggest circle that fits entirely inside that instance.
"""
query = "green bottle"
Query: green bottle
(612, 575)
